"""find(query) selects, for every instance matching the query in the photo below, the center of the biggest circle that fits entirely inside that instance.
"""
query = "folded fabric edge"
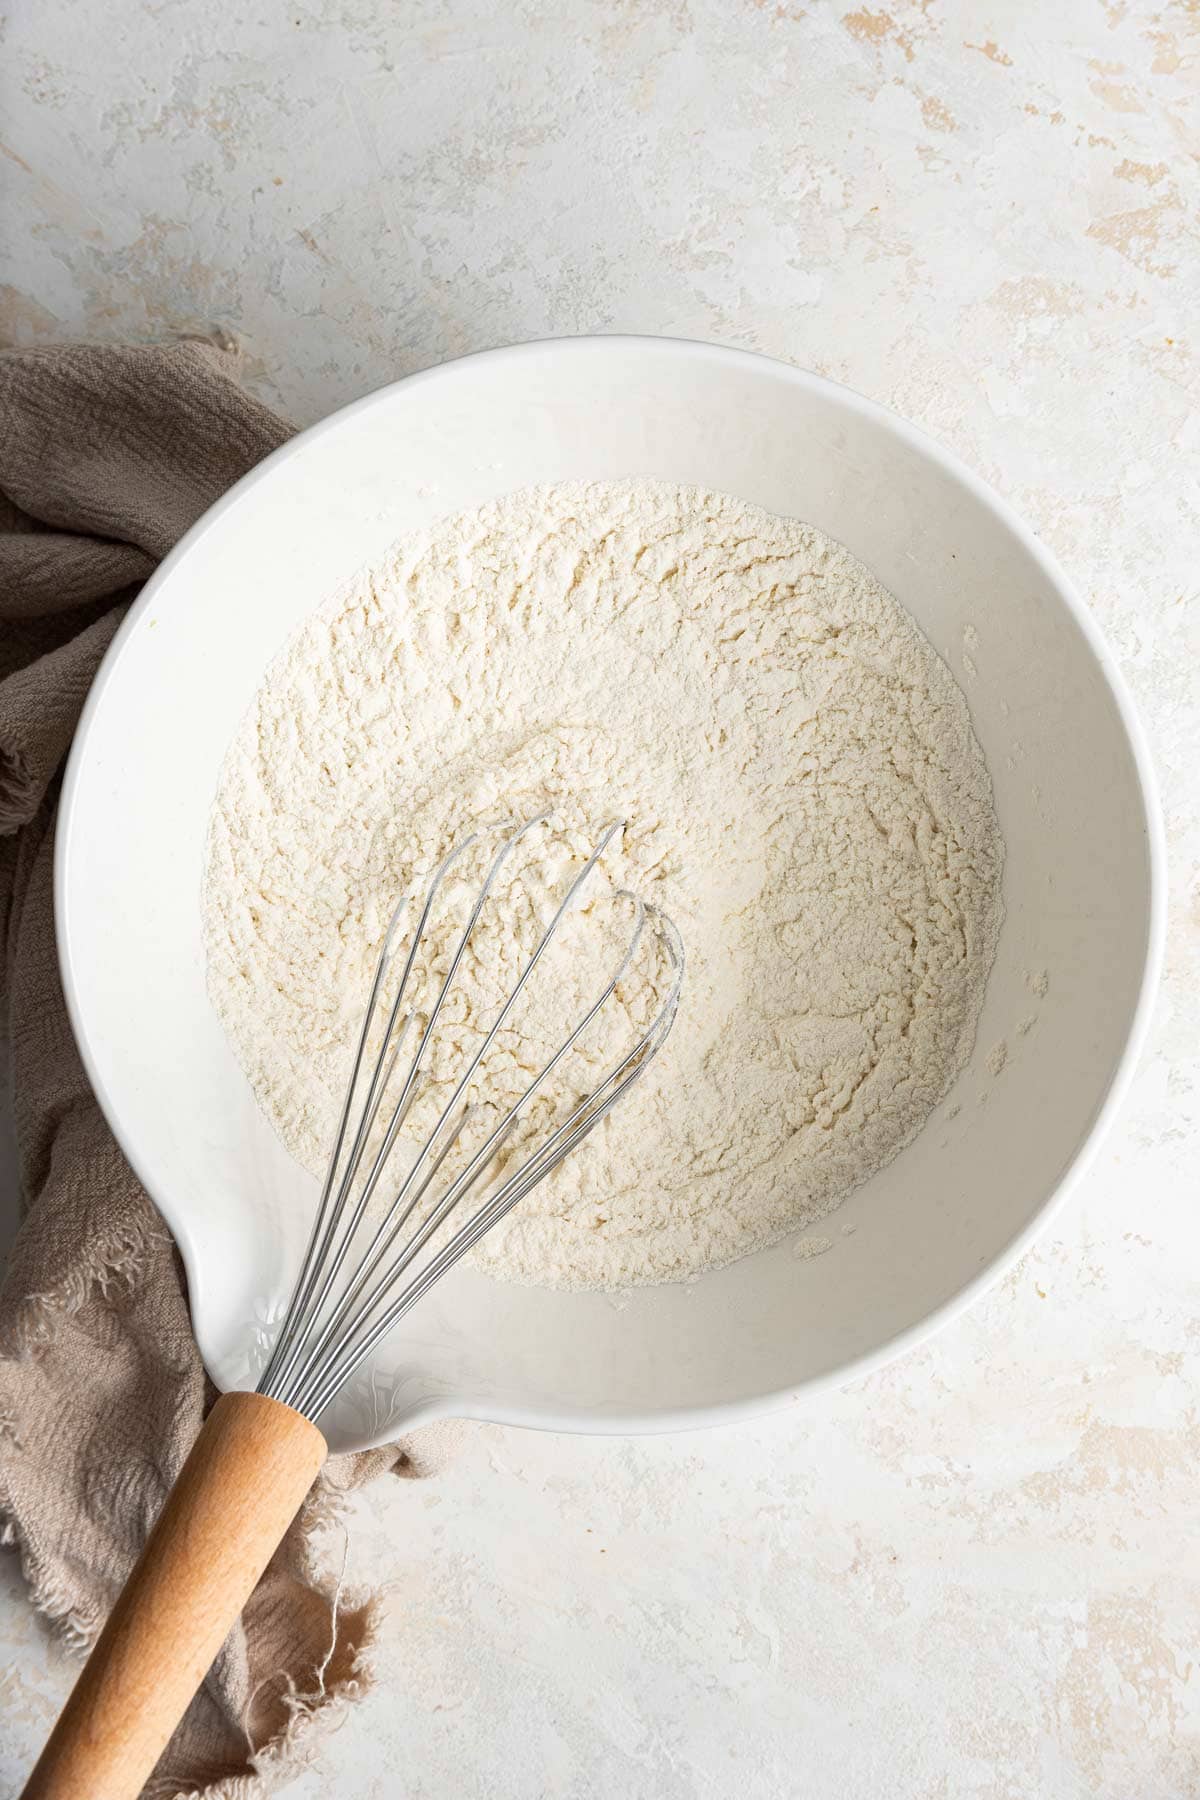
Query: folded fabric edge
(117, 1258)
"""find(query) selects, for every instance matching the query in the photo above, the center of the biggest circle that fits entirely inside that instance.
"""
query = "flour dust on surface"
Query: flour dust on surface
(805, 798)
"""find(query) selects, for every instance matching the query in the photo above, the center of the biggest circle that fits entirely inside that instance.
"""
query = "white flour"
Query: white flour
(806, 800)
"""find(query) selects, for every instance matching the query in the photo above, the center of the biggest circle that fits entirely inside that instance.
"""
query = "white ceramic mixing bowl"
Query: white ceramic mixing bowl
(1083, 881)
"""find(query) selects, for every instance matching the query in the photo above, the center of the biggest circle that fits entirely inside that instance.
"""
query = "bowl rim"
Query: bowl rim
(693, 1415)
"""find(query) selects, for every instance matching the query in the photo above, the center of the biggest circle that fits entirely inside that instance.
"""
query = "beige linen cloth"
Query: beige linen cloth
(107, 455)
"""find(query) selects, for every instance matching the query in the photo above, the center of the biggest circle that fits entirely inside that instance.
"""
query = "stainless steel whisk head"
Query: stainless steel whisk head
(348, 1295)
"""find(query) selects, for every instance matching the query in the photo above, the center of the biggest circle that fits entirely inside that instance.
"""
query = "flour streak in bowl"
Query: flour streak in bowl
(805, 798)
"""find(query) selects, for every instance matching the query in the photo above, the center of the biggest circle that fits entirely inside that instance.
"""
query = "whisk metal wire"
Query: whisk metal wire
(326, 1334)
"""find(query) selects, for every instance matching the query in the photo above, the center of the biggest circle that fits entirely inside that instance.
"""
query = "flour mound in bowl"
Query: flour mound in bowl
(805, 797)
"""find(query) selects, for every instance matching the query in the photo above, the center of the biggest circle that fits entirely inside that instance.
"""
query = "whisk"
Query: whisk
(329, 1328)
(379, 1241)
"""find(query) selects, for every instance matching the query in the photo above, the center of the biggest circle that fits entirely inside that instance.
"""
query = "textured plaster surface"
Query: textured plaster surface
(975, 1576)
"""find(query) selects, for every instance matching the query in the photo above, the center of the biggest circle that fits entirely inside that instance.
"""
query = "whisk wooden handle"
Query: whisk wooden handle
(236, 1495)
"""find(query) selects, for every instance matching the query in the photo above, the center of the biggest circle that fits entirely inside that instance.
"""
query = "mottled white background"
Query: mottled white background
(975, 1576)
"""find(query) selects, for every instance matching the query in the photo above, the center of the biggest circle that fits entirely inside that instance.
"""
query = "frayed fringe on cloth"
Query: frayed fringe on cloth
(113, 1267)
